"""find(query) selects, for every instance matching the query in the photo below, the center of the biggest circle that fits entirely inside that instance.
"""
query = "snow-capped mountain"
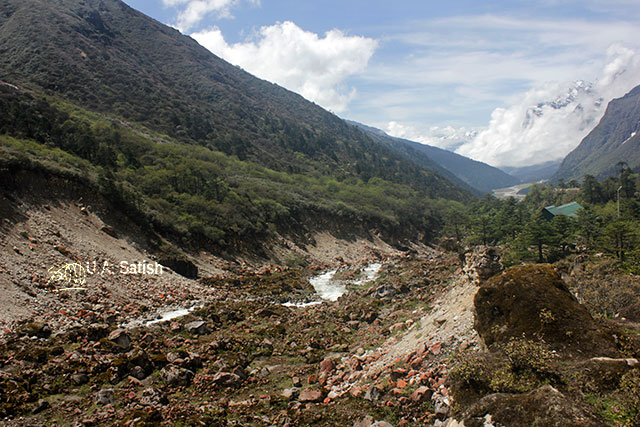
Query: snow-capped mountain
(570, 99)
(550, 120)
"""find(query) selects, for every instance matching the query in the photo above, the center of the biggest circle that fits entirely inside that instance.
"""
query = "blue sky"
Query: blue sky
(462, 75)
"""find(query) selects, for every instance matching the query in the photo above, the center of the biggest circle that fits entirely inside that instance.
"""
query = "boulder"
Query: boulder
(290, 393)
(176, 357)
(240, 373)
(120, 338)
(385, 291)
(104, 396)
(197, 327)
(226, 379)
(36, 329)
(481, 263)
(533, 301)
(152, 397)
(441, 410)
(421, 394)
(177, 376)
(138, 373)
(372, 394)
(545, 406)
(79, 379)
(327, 366)
(310, 395)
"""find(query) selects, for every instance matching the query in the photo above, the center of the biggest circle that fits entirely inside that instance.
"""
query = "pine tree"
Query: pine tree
(538, 233)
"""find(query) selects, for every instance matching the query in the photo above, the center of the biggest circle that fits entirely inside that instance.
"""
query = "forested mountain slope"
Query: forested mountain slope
(615, 139)
(478, 176)
(190, 141)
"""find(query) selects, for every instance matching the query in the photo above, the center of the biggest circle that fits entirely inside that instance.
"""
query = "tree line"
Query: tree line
(608, 222)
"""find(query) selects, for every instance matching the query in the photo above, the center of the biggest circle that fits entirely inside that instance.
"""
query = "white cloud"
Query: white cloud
(488, 50)
(552, 119)
(172, 3)
(195, 11)
(454, 71)
(316, 67)
(624, 8)
(446, 137)
(541, 125)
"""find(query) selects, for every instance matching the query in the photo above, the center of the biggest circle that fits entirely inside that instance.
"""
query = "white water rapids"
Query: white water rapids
(327, 288)
(163, 316)
(330, 289)
(370, 273)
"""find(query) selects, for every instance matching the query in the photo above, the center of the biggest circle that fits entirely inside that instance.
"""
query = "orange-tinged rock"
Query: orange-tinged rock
(435, 349)
(355, 391)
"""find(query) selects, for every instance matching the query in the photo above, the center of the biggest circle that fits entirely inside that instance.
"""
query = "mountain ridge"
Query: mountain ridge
(109, 85)
(615, 139)
(469, 173)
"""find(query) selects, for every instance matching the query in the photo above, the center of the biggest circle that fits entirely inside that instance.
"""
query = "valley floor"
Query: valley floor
(253, 343)
(245, 360)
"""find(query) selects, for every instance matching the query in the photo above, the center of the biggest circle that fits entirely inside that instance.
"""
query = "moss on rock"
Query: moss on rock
(533, 301)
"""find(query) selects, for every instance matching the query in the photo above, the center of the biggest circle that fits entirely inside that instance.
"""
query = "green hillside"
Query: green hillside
(193, 143)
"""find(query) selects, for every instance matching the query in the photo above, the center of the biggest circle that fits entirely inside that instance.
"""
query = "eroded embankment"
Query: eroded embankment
(70, 257)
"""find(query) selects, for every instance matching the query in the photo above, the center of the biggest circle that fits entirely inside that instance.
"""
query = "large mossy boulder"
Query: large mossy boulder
(533, 301)
(545, 406)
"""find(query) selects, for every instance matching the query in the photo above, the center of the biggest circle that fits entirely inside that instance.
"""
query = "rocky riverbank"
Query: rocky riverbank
(239, 361)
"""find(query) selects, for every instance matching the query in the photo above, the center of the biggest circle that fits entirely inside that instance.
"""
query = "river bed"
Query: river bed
(326, 286)
(329, 288)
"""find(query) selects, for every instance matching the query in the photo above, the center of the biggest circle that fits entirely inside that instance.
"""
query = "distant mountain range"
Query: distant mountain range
(615, 139)
(477, 176)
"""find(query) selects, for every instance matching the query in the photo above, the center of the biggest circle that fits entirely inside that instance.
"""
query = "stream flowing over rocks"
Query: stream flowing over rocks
(162, 316)
(331, 289)
(381, 347)
(326, 287)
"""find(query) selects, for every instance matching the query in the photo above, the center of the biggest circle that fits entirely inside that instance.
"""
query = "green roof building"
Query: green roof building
(570, 209)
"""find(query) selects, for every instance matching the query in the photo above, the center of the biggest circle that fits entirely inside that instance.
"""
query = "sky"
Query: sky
(509, 82)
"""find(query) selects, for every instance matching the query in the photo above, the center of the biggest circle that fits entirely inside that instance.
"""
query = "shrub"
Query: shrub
(528, 356)
(471, 371)
(630, 390)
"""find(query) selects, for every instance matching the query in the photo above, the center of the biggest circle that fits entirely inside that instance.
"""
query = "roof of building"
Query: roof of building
(570, 209)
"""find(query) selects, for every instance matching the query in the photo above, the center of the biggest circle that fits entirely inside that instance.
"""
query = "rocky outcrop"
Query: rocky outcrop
(481, 263)
(182, 266)
(533, 301)
(545, 406)
(121, 339)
